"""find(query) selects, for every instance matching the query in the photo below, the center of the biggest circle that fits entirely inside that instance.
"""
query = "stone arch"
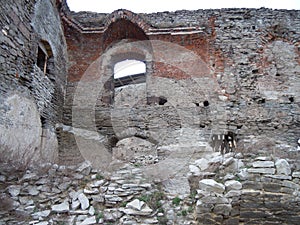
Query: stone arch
(124, 38)
(123, 24)
(127, 15)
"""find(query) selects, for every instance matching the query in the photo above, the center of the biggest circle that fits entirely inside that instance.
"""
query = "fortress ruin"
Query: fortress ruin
(218, 100)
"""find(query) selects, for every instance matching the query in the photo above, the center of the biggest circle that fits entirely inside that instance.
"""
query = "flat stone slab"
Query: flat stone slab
(145, 211)
(263, 164)
(136, 204)
(60, 208)
(84, 201)
(296, 174)
(279, 177)
(89, 220)
(262, 170)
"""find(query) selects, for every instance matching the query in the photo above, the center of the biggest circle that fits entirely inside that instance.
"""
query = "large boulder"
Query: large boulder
(20, 131)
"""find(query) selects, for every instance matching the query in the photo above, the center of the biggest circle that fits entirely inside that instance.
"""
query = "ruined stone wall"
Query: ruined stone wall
(32, 87)
(245, 190)
(229, 71)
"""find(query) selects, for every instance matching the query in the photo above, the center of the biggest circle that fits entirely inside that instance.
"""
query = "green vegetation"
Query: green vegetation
(123, 204)
(153, 200)
(190, 209)
(138, 165)
(184, 212)
(99, 176)
(162, 220)
(193, 194)
(176, 201)
(99, 216)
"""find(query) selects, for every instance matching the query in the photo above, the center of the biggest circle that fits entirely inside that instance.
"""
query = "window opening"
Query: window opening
(128, 72)
(42, 60)
(45, 59)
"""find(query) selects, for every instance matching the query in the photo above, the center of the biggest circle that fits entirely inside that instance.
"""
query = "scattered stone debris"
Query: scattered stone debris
(223, 188)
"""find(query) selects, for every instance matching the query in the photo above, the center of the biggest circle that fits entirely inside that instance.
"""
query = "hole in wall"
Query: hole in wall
(41, 60)
(291, 99)
(113, 141)
(224, 143)
(162, 101)
(197, 104)
(153, 100)
(202, 126)
(205, 103)
(43, 121)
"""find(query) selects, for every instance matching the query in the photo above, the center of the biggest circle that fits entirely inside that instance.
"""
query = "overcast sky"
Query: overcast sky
(139, 6)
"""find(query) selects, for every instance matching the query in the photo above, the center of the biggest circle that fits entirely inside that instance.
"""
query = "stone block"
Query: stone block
(283, 167)
(211, 185)
(214, 200)
(296, 174)
(290, 184)
(279, 177)
(232, 221)
(263, 164)
(202, 163)
(222, 209)
(61, 208)
(233, 185)
(233, 193)
(202, 208)
(272, 187)
(262, 170)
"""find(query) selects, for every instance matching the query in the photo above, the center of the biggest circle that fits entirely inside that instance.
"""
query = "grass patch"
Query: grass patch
(99, 176)
(176, 201)
(138, 165)
(153, 200)
(190, 209)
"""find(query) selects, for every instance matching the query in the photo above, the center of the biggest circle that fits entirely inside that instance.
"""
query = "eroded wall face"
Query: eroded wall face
(31, 97)
(223, 74)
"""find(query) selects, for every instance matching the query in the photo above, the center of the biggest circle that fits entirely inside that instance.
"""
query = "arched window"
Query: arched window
(129, 71)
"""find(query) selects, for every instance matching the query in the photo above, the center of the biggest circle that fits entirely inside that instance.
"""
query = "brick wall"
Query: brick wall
(243, 62)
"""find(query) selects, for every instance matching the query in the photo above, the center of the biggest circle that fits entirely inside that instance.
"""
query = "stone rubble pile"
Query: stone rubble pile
(224, 189)
(234, 191)
(82, 196)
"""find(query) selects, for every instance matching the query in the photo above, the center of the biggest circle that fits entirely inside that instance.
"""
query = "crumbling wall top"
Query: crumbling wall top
(178, 19)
